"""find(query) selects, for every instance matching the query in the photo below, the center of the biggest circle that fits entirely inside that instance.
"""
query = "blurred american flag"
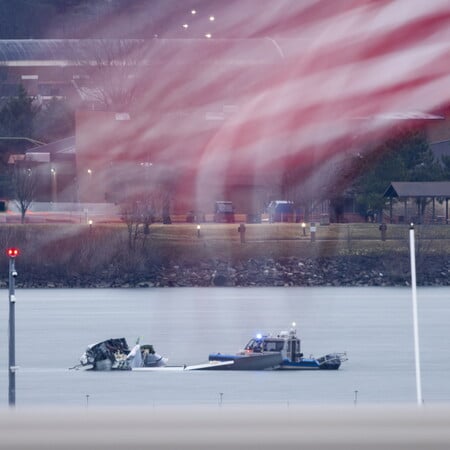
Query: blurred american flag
(288, 82)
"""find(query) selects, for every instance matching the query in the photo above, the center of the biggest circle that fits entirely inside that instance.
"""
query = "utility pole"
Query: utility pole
(12, 253)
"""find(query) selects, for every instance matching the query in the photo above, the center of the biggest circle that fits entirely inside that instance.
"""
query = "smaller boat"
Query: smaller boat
(280, 352)
(114, 354)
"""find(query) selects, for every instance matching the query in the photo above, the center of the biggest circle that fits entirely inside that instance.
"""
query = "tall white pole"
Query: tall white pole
(415, 318)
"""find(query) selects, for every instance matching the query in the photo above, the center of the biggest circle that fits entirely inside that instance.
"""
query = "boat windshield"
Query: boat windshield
(266, 345)
(254, 345)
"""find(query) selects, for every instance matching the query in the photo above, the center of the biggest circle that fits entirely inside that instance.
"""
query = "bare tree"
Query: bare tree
(308, 188)
(25, 182)
(139, 213)
(110, 72)
(132, 218)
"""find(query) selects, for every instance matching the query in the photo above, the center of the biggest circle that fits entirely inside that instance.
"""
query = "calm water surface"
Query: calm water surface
(373, 325)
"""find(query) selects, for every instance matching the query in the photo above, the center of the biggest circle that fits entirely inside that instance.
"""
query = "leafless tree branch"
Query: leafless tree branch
(111, 72)
(25, 182)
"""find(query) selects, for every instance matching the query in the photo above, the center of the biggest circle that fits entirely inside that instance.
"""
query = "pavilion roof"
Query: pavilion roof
(418, 189)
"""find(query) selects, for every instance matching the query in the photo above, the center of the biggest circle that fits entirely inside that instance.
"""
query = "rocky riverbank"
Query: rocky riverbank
(357, 270)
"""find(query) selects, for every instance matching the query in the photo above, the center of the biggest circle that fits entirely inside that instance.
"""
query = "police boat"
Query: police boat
(280, 352)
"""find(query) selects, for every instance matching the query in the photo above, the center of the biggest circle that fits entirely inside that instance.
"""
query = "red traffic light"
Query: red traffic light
(12, 252)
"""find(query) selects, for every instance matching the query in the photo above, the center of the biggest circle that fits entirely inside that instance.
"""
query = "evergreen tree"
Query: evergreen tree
(405, 157)
(445, 160)
(55, 120)
(16, 123)
(17, 115)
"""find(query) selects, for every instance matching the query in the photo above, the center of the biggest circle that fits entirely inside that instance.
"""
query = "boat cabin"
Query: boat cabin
(287, 343)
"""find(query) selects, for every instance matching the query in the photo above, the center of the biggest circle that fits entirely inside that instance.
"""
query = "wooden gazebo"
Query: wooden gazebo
(419, 190)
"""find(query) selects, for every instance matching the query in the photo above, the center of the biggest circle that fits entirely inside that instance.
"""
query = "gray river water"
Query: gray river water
(373, 325)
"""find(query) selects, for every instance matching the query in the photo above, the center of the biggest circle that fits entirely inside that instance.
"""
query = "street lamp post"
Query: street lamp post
(54, 186)
(90, 190)
(12, 253)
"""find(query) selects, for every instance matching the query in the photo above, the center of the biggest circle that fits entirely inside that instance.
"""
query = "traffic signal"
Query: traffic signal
(12, 252)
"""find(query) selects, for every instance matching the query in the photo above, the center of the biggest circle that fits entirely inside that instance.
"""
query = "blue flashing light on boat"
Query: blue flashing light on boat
(259, 336)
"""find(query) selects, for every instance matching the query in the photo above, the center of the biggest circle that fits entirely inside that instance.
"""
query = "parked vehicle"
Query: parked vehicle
(195, 217)
(224, 212)
(3, 205)
(281, 211)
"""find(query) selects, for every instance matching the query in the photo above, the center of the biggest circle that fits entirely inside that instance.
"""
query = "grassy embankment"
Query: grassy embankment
(84, 248)
(78, 255)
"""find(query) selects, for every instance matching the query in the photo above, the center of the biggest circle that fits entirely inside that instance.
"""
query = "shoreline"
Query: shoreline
(338, 271)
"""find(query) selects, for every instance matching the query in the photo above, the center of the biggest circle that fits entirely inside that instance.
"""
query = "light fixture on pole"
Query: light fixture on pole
(12, 253)
(54, 187)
